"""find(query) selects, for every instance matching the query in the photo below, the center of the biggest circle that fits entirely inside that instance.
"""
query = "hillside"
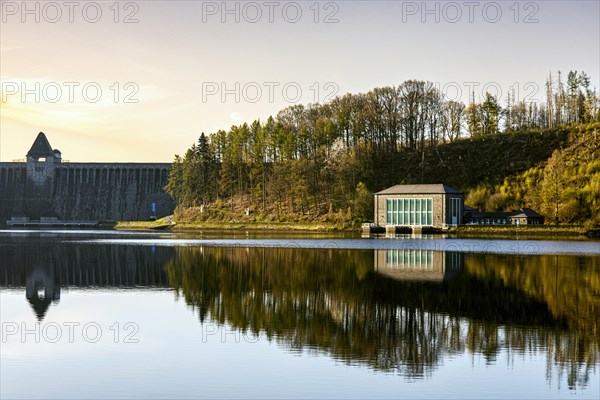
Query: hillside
(497, 172)
(322, 162)
(467, 163)
(567, 180)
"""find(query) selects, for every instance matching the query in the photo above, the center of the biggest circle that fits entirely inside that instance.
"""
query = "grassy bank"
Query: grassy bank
(467, 231)
(139, 225)
(530, 231)
(272, 226)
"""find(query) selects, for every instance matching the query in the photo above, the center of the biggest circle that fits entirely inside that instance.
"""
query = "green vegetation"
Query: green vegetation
(243, 223)
(320, 164)
(565, 187)
(520, 231)
(139, 225)
(252, 225)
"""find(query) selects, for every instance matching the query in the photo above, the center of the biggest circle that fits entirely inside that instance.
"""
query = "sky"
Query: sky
(139, 81)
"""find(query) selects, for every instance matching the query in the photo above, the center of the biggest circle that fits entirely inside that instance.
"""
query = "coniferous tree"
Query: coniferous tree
(310, 157)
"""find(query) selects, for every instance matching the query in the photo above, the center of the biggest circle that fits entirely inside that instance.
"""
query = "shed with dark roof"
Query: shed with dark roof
(523, 216)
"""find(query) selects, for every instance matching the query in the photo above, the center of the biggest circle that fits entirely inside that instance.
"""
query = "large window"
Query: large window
(455, 207)
(409, 212)
(409, 259)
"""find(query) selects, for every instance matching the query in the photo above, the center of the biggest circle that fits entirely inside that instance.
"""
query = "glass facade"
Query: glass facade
(409, 212)
(409, 259)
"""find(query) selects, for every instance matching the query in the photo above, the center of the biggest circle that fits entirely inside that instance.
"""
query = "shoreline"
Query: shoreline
(495, 231)
(525, 231)
(225, 226)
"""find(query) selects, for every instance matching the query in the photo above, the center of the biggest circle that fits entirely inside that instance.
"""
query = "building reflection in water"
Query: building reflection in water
(42, 268)
(400, 310)
(418, 265)
(41, 289)
(394, 310)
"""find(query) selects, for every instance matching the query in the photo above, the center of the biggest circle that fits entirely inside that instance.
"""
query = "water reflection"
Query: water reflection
(418, 264)
(41, 289)
(403, 310)
(43, 267)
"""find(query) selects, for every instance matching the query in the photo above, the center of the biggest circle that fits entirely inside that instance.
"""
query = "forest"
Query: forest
(323, 162)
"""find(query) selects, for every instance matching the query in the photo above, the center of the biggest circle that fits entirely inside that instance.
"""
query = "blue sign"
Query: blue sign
(153, 207)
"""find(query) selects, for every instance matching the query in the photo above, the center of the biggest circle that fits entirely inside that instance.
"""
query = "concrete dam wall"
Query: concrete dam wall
(46, 187)
(12, 190)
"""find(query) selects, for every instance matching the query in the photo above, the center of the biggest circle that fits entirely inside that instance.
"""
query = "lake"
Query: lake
(107, 314)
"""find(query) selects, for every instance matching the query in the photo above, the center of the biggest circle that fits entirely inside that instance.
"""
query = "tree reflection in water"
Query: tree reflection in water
(358, 307)
(402, 311)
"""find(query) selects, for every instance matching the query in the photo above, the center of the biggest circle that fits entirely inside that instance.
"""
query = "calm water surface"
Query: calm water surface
(150, 315)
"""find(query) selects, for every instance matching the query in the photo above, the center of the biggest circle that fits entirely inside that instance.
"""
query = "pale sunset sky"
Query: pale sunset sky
(73, 69)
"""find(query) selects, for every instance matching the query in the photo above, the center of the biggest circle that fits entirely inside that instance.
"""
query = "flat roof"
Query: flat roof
(437, 188)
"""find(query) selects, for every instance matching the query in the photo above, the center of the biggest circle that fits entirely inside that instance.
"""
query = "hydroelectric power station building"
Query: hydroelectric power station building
(47, 190)
(436, 206)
